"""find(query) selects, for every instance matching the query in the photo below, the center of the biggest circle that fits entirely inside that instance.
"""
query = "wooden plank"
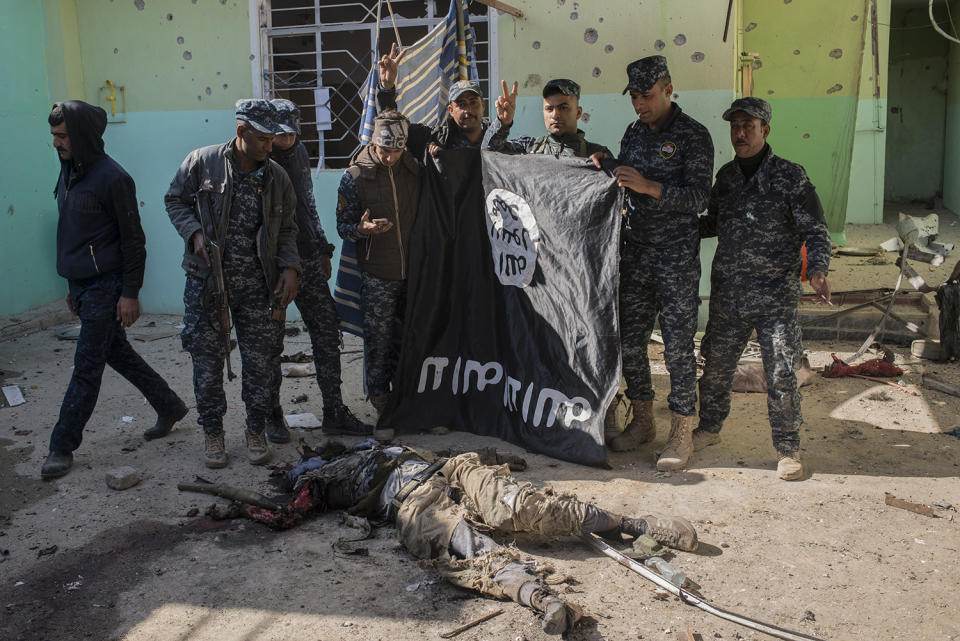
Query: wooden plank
(910, 506)
(502, 6)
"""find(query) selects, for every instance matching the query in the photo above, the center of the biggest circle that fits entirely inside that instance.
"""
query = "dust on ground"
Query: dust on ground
(824, 556)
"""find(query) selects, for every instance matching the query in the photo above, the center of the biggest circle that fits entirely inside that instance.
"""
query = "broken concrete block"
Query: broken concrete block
(123, 478)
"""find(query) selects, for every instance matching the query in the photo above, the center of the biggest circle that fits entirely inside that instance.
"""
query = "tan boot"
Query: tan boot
(702, 438)
(640, 430)
(214, 452)
(673, 531)
(790, 467)
(258, 452)
(679, 446)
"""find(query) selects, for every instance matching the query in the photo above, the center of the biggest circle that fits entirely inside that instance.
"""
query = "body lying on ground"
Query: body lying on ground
(444, 508)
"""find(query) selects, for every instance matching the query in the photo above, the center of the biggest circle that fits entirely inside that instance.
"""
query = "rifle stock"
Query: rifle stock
(221, 298)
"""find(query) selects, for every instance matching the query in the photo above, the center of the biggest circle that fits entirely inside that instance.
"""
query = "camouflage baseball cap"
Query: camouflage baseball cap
(259, 113)
(756, 107)
(288, 115)
(461, 87)
(561, 85)
(642, 74)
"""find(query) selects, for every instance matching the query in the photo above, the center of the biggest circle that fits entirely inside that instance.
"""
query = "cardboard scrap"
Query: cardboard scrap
(306, 421)
(13, 395)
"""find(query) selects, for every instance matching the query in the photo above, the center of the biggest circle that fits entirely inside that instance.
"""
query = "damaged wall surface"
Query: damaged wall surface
(809, 71)
(951, 160)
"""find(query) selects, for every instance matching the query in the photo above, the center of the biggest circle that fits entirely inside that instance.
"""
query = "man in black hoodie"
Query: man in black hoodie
(101, 253)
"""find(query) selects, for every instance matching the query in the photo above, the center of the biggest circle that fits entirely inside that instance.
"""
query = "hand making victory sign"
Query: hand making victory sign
(506, 104)
(388, 66)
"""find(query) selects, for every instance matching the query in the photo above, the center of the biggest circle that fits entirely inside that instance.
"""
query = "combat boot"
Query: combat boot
(702, 438)
(340, 420)
(640, 430)
(680, 444)
(214, 452)
(790, 467)
(558, 617)
(277, 431)
(56, 464)
(166, 421)
(672, 531)
(258, 452)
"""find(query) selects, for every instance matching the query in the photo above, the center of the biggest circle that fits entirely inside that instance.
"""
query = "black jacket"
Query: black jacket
(99, 229)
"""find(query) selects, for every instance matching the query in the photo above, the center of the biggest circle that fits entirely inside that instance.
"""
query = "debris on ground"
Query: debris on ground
(910, 506)
(291, 331)
(302, 398)
(932, 382)
(299, 370)
(47, 551)
(470, 624)
(750, 377)
(305, 421)
(299, 357)
(13, 396)
(943, 505)
(122, 478)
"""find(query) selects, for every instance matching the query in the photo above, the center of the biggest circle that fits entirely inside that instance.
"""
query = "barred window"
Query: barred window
(317, 53)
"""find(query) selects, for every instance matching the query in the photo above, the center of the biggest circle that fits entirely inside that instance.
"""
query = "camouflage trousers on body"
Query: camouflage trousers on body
(664, 281)
(102, 342)
(383, 303)
(782, 352)
(257, 340)
(431, 524)
(320, 316)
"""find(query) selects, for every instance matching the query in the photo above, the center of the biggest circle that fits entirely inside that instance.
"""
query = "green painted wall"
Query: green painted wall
(951, 160)
(28, 212)
(810, 55)
(592, 43)
(182, 65)
(865, 195)
(917, 106)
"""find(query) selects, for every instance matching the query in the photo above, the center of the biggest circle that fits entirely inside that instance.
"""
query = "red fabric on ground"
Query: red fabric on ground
(876, 367)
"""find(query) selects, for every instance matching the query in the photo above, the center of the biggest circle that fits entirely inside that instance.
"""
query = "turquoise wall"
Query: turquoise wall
(27, 209)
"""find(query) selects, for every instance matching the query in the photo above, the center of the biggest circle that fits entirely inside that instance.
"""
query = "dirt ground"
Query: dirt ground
(824, 556)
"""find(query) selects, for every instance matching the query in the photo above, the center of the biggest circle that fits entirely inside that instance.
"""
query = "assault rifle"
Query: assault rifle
(221, 298)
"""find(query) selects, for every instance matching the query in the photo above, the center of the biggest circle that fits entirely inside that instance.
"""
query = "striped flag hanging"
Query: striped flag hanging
(424, 76)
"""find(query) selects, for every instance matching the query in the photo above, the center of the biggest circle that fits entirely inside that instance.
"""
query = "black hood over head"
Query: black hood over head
(85, 126)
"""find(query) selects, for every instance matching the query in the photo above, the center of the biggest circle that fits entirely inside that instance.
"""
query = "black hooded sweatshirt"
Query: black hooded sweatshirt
(99, 230)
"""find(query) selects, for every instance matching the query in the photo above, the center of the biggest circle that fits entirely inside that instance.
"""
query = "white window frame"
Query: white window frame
(260, 33)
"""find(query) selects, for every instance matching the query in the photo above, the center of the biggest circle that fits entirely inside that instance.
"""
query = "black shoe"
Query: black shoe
(56, 464)
(277, 431)
(165, 422)
(340, 420)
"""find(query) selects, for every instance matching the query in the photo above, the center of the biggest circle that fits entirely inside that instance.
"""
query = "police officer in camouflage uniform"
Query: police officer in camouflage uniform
(313, 297)
(762, 210)
(249, 209)
(666, 162)
(101, 253)
(465, 125)
(561, 111)
(376, 208)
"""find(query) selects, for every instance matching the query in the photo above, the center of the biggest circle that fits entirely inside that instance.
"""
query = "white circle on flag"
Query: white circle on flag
(514, 237)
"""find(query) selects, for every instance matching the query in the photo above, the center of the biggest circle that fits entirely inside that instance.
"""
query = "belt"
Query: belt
(415, 482)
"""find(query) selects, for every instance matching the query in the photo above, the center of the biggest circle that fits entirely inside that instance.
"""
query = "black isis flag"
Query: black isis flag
(510, 328)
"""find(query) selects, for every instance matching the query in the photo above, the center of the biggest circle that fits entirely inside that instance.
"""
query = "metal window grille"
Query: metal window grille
(317, 53)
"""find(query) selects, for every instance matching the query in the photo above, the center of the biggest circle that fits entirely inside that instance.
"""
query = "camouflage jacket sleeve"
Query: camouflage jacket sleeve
(812, 227)
(349, 209)
(495, 139)
(708, 223)
(288, 256)
(304, 182)
(691, 193)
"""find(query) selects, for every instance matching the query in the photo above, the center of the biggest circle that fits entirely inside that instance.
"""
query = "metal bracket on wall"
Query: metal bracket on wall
(113, 99)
